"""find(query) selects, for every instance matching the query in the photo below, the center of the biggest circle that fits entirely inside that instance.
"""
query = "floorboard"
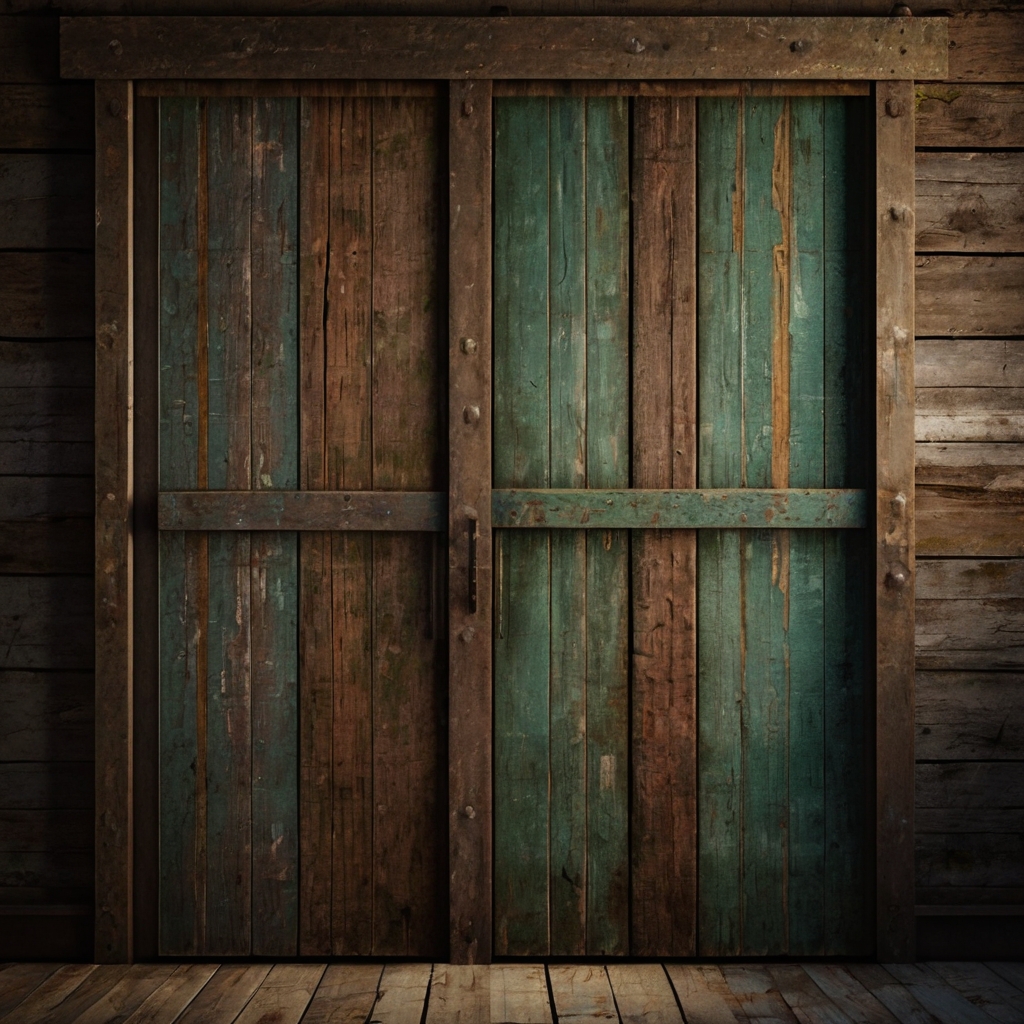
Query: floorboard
(513, 993)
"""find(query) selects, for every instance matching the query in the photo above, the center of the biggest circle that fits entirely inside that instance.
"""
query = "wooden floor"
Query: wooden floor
(937, 993)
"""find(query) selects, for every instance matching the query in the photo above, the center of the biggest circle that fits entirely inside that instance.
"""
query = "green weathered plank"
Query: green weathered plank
(180, 904)
(717, 509)
(847, 345)
(521, 458)
(805, 617)
(275, 457)
(607, 565)
(718, 552)
(567, 332)
(764, 556)
(228, 736)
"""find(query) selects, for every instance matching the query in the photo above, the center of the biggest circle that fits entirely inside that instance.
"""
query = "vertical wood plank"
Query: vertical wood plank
(805, 620)
(846, 338)
(348, 382)
(316, 654)
(409, 380)
(721, 654)
(146, 536)
(228, 734)
(470, 860)
(274, 564)
(521, 458)
(664, 821)
(607, 438)
(567, 341)
(181, 629)
(894, 565)
(764, 555)
(114, 426)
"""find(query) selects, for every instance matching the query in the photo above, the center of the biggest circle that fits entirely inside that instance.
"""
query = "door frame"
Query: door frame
(679, 56)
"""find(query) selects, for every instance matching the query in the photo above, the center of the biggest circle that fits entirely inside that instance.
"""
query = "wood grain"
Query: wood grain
(43, 713)
(46, 622)
(45, 201)
(970, 202)
(56, 116)
(346, 994)
(470, 823)
(114, 479)
(969, 716)
(969, 115)
(977, 295)
(985, 46)
(524, 47)
(46, 294)
(664, 870)
(894, 565)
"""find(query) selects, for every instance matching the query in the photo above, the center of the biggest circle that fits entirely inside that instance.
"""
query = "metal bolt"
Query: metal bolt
(467, 108)
(469, 345)
(115, 47)
(471, 414)
(114, 106)
(894, 108)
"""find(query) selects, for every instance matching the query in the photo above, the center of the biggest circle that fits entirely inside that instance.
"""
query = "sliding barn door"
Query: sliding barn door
(681, 761)
(302, 681)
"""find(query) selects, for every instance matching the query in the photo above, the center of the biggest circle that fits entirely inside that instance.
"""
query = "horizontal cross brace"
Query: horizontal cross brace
(572, 46)
(745, 508)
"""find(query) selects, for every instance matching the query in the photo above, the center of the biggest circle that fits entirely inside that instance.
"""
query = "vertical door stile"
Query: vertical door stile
(469, 509)
(316, 639)
(664, 700)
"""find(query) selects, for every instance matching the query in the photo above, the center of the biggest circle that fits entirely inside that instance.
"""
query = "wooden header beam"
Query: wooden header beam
(504, 48)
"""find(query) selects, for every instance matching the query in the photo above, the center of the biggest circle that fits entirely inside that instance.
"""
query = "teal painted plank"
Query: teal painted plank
(180, 838)
(274, 584)
(228, 736)
(847, 559)
(635, 509)
(719, 465)
(607, 440)
(806, 625)
(567, 326)
(764, 557)
(521, 458)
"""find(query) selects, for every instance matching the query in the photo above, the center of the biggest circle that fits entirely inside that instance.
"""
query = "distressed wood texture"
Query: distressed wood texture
(985, 46)
(417, 511)
(969, 115)
(45, 201)
(969, 495)
(55, 116)
(46, 294)
(663, 838)
(522, 47)
(781, 671)
(561, 419)
(977, 295)
(970, 202)
(470, 684)
(371, 344)
(970, 614)
(114, 626)
(299, 251)
(894, 566)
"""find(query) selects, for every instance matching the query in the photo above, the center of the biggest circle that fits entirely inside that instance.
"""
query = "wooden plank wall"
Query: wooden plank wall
(970, 132)
(46, 483)
(970, 492)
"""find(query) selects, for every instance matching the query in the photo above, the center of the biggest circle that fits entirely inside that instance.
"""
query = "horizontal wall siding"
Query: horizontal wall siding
(970, 481)
(46, 527)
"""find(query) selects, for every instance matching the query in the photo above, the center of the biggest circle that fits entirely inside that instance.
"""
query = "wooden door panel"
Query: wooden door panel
(781, 692)
(302, 674)
(561, 420)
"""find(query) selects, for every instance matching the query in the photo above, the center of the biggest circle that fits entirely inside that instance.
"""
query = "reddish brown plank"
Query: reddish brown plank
(985, 46)
(469, 460)
(348, 464)
(114, 580)
(316, 657)
(408, 382)
(894, 600)
(664, 448)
